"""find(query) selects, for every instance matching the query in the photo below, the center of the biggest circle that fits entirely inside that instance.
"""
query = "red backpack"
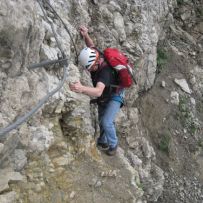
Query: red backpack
(120, 63)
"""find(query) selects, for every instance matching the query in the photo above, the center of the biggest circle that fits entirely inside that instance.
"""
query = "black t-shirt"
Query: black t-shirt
(108, 76)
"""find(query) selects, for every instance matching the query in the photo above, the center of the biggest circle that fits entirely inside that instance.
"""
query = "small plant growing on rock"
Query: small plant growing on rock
(200, 12)
(200, 143)
(180, 2)
(161, 59)
(164, 143)
(186, 116)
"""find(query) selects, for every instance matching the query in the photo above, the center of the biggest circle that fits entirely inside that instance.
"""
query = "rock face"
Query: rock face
(183, 85)
(55, 148)
(27, 38)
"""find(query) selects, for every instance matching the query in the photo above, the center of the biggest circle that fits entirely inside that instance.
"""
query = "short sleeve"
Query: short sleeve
(105, 76)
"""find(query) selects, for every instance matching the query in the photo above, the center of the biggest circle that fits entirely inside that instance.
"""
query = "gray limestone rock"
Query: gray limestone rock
(41, 139)
(1, 147)
(174, 97)
(183, 85)
(19, 159)
(9, 197)
(119, 25)
(6, 176)
(136, 27)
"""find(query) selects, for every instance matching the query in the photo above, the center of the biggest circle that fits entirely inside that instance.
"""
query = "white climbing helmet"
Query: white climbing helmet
(88, 57)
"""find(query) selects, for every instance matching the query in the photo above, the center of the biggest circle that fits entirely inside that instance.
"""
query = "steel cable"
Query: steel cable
(24, 118)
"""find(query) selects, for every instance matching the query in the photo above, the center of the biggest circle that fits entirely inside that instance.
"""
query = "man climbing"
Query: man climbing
(109, 97)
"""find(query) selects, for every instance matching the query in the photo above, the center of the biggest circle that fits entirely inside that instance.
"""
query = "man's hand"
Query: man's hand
(83, 31)
(90, 91)
(86, 37)
(76, 87)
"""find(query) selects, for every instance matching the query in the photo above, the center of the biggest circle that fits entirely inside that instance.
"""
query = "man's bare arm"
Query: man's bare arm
(91, 91)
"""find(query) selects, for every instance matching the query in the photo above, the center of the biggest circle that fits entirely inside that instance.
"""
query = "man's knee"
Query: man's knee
(106, 124)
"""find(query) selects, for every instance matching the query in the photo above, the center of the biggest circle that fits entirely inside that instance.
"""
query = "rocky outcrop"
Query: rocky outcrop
(55, 148)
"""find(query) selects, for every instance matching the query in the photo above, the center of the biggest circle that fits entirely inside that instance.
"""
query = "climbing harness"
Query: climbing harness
(63, 61)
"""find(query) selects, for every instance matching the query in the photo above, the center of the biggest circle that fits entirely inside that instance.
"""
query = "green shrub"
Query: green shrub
(200, 12)
(180, 2)
(186, 117)
(164, 143)
(161, 59)
(200, 143)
